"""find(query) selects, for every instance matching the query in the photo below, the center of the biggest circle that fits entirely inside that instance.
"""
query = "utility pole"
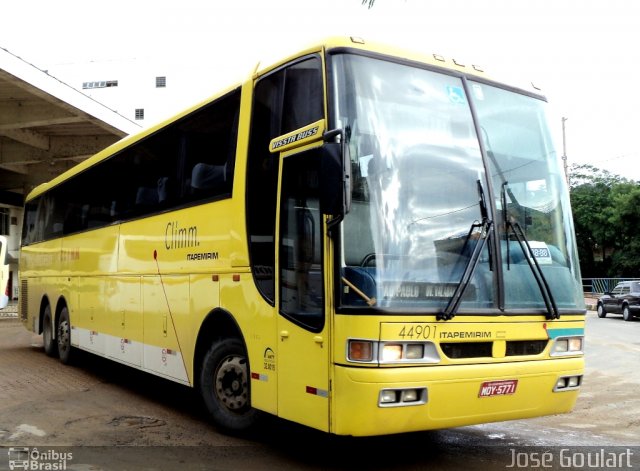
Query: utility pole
(564, 150)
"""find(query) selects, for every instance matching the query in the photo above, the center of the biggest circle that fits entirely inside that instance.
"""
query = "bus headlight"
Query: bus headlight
(415, 351)
(402, 397)
(567, 346)
(568, 383)
(388, 396)
(392, 352)
(408, 352)
(409, 395)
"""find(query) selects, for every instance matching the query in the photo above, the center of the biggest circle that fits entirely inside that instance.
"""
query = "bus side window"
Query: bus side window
(208, 142)
(206, 177)
(303, 99)
(49, 218)
(29, 222)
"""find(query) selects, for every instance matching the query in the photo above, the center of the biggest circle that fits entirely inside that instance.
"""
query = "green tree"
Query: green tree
(626, 219)
(606, 209)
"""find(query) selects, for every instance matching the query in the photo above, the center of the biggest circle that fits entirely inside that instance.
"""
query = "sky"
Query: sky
(582, 53)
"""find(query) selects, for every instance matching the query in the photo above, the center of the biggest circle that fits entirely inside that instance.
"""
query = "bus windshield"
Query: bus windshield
(421, 192)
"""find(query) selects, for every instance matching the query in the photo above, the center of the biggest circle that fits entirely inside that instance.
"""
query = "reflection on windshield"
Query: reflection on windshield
(530, 195)
(416, 166)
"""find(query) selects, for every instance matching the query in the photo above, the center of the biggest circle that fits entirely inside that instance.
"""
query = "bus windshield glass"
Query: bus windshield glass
(421, 196)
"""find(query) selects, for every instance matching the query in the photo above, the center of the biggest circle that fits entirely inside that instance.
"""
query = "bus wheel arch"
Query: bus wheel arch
(222, 374)
(44, 304)
(219, 324)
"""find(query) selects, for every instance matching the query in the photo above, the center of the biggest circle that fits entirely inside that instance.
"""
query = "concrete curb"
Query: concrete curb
(591, 303)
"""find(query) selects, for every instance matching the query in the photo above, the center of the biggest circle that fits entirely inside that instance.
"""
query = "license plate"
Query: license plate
(498, 388)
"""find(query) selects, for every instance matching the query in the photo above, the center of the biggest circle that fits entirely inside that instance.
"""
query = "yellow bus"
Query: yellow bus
(4, 272)
(359, 239)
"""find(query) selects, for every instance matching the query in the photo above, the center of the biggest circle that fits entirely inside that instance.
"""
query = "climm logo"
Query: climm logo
(176, 237)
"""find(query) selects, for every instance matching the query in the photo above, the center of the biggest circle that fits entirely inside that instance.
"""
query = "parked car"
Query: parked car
(624, 299)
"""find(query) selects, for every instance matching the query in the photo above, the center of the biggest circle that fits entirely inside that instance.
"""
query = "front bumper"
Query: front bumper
(452, 398)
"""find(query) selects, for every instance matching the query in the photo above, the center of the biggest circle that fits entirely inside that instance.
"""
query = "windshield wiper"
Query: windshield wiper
(541, 280)
(485, 227)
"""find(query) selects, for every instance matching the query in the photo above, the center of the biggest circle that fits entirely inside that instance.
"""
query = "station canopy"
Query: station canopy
(46, 127)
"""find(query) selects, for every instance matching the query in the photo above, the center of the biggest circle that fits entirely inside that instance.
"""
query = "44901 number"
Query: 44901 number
(418, 332)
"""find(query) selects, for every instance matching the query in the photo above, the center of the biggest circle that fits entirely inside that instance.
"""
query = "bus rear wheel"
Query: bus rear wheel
(50, 345)
(225, 388)
(65, 350)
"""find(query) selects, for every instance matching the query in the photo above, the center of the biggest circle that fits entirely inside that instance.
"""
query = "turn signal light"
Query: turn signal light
(360, 350)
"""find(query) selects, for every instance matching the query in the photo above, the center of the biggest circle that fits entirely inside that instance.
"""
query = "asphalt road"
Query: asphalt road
(110, 417)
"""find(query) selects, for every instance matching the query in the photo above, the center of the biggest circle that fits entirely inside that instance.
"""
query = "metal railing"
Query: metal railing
(602, 285)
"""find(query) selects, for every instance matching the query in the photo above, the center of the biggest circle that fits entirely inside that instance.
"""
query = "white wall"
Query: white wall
(186, 85)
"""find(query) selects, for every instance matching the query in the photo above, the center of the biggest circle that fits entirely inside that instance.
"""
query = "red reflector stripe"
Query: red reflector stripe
(259, 377)
(317, 392)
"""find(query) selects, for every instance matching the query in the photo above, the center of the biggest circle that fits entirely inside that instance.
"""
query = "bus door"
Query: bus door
(303, 332)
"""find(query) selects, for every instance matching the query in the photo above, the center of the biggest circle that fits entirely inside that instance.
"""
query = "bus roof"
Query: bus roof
(409, 54)
(329, 44)
(359, 44)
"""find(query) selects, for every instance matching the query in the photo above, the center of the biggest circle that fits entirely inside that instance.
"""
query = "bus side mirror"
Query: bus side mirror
(335, 180)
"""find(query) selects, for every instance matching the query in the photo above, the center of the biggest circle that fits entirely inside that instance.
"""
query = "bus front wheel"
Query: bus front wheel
(224, 385)
(50, 345)
(64, 337)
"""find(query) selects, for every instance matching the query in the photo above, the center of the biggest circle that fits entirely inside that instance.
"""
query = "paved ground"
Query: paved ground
(10, 311)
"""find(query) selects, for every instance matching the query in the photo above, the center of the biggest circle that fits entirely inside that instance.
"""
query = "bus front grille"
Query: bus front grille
(525, 347)
(458, 350)
(467, 350)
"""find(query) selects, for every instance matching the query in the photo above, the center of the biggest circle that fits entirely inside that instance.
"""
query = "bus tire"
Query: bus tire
(225, 386)
(50, 344)
(65, 350)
